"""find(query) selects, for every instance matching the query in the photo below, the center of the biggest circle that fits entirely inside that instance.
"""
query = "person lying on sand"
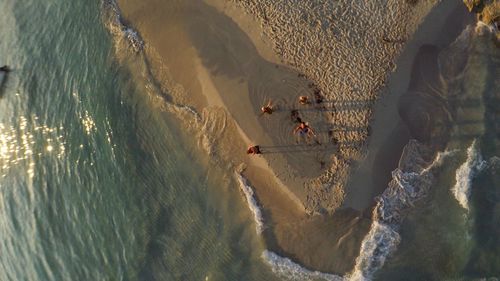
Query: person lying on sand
(303, 129)
(304, 100)
(267, 109)
(254, 149)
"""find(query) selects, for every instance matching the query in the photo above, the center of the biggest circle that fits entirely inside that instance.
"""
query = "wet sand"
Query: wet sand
(391, 132)
(212, 56)
(213, 62)
(329, 43)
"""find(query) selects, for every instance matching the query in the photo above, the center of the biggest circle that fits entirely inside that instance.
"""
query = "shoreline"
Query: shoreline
(216, 68)
(334, 51)
(222, 64)
(391, 134)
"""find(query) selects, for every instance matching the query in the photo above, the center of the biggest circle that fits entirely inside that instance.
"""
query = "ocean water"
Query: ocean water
(99, 179)
(452, 232)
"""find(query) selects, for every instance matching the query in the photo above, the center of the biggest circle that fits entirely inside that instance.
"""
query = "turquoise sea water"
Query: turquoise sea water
(97, 181)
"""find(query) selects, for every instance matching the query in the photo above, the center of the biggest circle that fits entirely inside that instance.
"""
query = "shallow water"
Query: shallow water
(452, 233)
(95, 183)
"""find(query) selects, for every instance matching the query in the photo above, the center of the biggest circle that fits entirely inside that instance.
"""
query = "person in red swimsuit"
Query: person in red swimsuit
(255, 149)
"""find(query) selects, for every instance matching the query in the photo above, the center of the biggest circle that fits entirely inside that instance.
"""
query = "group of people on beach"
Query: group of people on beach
(303, 130)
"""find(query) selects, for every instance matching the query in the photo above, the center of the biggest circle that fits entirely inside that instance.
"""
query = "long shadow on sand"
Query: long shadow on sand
(330, 105)
(298, 148)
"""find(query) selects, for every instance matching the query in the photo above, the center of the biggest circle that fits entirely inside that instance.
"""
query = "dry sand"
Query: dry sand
(347, 49)
(226, 59)
(207, 55)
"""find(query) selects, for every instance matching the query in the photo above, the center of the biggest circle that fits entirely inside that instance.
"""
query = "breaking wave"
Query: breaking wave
(281, 266)
(481, 26)
(465, 174)
(289, 270)
(126, 37)
(381, 240)
(252, 203)
(410, 182)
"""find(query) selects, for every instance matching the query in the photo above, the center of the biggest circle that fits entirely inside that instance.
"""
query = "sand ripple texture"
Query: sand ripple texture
(347, 48)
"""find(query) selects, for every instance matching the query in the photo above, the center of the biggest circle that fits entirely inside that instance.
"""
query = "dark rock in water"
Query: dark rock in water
(474, 6)
(5, 68)
(488, 10)
(490, 14)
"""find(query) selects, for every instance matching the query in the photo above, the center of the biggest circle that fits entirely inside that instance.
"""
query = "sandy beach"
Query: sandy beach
(218, 65)
(127, 129)
(227, 59)
(391, 131)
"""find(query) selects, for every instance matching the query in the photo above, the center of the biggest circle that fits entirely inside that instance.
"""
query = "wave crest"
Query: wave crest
(381, 240)
(473, 165)
(410, 182)
(252, 203)
(287, 269)
(118, 28)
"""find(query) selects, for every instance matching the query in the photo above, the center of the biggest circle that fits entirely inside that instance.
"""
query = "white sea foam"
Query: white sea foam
(410, 182)
(465, 173)
(281, 266)
(117, 28)
(380, 241)
(441, 156)
(289, 270)
(482, 26)
(252, 203)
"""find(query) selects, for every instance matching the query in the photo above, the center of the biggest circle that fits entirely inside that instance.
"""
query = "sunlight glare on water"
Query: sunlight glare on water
(20, 144)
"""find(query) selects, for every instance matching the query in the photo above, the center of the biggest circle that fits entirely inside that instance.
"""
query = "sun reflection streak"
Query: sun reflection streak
(88, 123)
(20, 144)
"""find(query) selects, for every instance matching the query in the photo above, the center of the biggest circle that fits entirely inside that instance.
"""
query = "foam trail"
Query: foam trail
(377, 245)
(410, 182)
(252, 203)
(281, 266)
(465, 173)
(288, 269)
(480, 26)
(117, 27)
